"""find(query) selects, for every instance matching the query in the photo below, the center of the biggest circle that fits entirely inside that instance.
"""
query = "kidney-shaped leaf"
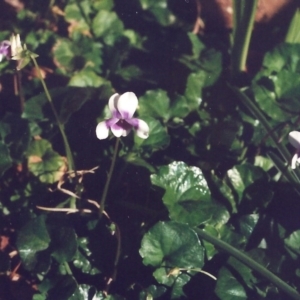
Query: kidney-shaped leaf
(32, 239)
(45, 163)
(172, 244)
(155, 103)
(228, 287)
(187, 195)
(108, 26)
(64, 243)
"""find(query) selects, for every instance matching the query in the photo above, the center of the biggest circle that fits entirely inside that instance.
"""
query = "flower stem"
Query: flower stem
(19, 90)
(68, 269)
(104, 194)
(60, 125)
(249, 262)
(244, 15)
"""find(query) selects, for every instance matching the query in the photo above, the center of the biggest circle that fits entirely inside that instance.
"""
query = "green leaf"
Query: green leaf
(5, 160)
(108, 26)
(82, 259)
(155, 103)
(176, 282)
(210, 250)
(82, 292)
(103, 4)
(179, 107)
(228, 288)
(211, 64)
(196, 45)
(226, 191)
(152, 291)
(236, 280)
(67, 101)
(15, 132)
(73, 12)
(73, 15)
(292, 242)
(160, 11)
(284, 56)
(251, 185)
(65, 55)
(130, 72)
(266, 99)
(135, 159)
(169, 245)
(187, 195)
(193, 91)
(73, 100)
(276, 88)
(63, 241)
(45, 163)
(263, 162)
(64, 288)
(33, 109)
(87, 78)
(177, 288)
(247, 224)
(172, 245)
(226, 234)
(158, 136)
(32, 239)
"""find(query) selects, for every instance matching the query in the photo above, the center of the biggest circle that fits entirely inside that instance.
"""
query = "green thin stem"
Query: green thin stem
(249, 262)
(60, 125)
(112, 166)
(244, 15)
(20, 90)
(68, 269)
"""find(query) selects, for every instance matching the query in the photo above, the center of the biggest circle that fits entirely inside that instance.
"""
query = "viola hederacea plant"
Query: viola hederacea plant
(186, 197)
(122, 108)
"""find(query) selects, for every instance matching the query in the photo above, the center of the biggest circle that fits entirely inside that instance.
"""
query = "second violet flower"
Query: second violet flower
(122, 108)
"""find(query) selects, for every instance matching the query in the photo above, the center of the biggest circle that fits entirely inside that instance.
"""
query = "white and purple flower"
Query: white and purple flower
(4, 50)
(122, 108)
(294, 139)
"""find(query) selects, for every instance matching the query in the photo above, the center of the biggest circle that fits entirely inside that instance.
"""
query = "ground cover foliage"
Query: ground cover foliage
(215, 167)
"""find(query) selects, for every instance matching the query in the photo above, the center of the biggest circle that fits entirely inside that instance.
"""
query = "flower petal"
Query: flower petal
(142, 128)
(294, 160)
(4, 50)
(117, 130)
(16, 46)
(127, 105)
(294, 139)
(112, 104)
(102, 130)
(110, 122)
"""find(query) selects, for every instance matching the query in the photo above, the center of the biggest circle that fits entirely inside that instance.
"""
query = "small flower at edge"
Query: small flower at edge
(4, 50)
(19, 52)
(294, 139)
(122, 108)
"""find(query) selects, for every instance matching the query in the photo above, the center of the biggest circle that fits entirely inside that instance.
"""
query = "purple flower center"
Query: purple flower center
(123, 124)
